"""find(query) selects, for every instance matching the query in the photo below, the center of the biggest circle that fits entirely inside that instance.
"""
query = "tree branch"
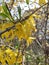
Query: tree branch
(22, 20)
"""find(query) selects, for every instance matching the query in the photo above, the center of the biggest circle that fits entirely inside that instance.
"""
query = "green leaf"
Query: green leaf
(3, 15)
(27, 1)
(6, 11)
(19, 11)
(5, 8)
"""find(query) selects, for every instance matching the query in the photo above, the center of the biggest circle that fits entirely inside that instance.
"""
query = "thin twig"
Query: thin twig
(8, 47)
(38, 43)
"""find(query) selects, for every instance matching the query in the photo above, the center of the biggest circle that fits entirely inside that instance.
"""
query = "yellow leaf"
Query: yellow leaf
(36, 16)
(1, 58)
(10, 56)
(19, 31)
(29, 40)
(8, 60)
(8, 51)
(42, 2)
(19, 59)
